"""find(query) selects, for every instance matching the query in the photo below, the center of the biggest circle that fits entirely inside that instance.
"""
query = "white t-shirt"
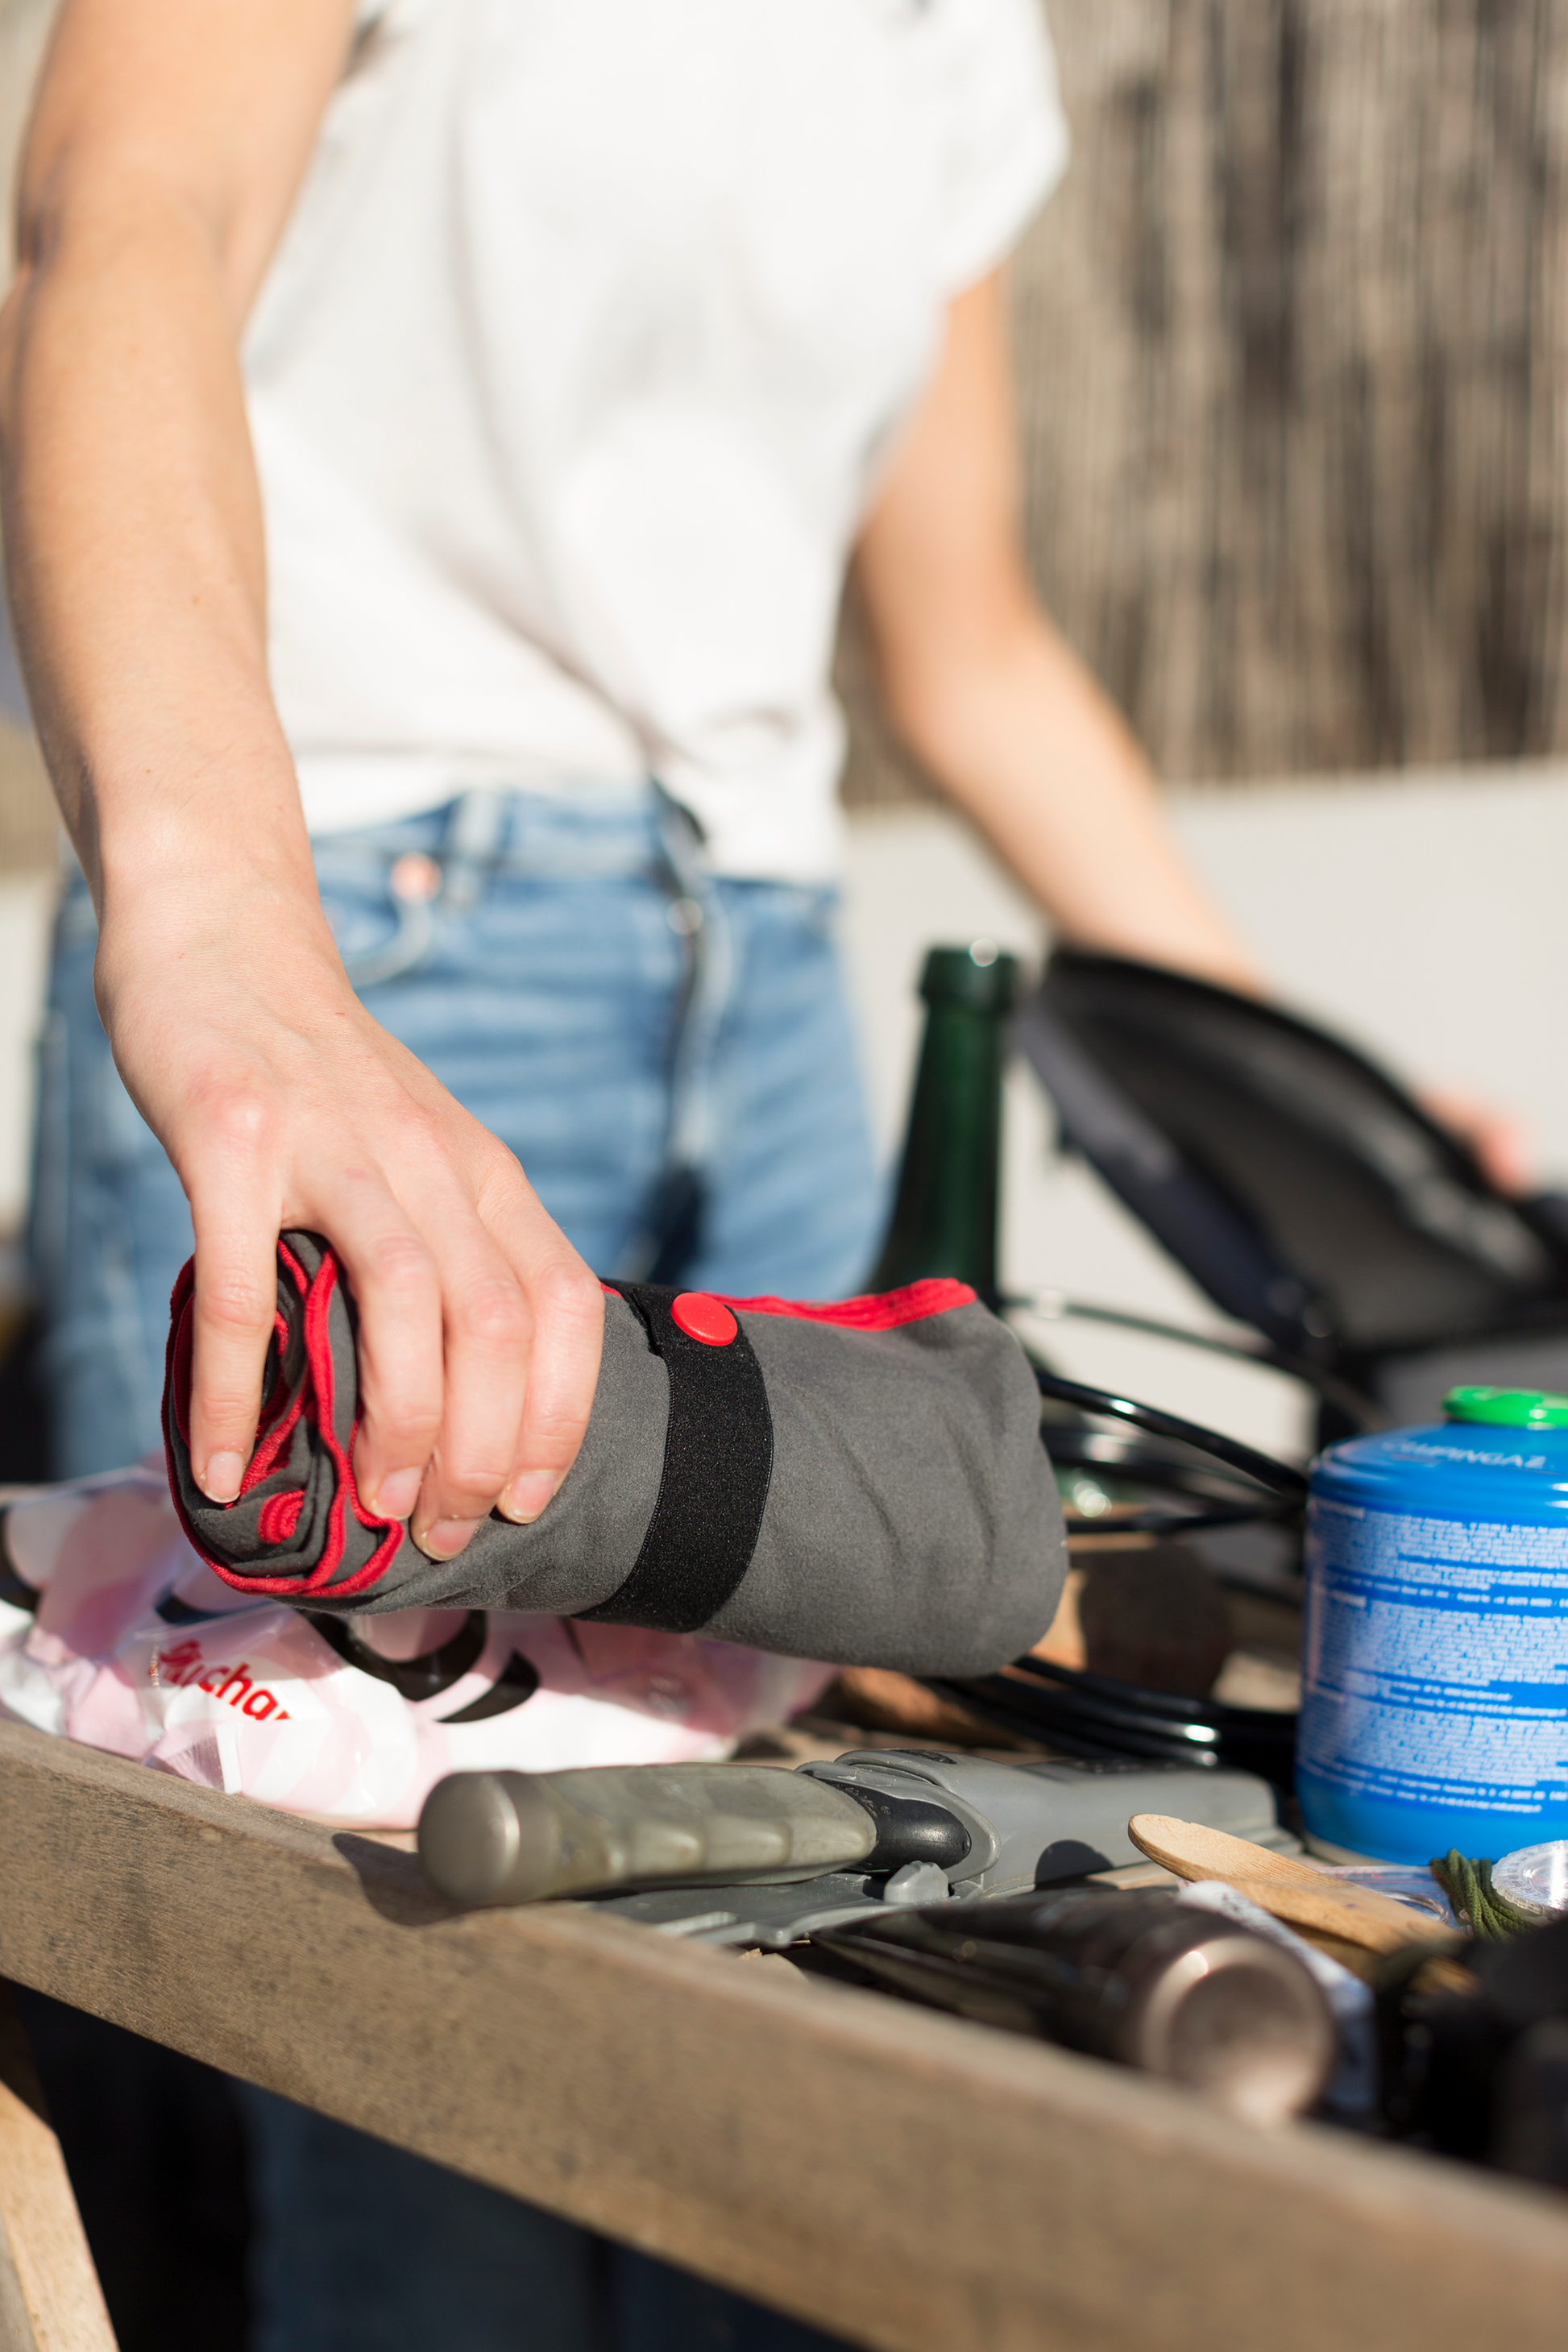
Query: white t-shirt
(571, 376)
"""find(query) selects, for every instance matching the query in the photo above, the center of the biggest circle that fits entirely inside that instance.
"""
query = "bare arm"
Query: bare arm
(993, 703)
(168, 145)
(1007, 720)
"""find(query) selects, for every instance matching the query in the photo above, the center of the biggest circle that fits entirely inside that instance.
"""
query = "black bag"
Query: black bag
(1299, 1186)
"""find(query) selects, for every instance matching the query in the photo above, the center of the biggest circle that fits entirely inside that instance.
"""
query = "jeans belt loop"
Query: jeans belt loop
(475, 830)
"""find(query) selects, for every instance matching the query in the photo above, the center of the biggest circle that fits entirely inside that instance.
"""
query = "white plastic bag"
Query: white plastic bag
(134, 1644)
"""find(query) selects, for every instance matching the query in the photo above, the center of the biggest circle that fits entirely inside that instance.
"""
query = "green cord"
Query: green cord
(1468, 1887)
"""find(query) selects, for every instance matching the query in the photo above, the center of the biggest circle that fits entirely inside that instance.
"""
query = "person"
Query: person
(435, 432)
(593, 342)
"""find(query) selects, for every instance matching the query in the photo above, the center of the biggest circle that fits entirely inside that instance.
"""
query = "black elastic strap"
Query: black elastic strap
(718, 1462)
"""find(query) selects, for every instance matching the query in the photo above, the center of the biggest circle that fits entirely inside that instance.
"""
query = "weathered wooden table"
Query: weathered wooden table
(907, 2179)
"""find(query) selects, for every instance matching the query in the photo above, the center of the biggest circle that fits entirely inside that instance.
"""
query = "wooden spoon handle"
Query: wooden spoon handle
(1348, 1915)
(1289, 1890)
(1193, 1850)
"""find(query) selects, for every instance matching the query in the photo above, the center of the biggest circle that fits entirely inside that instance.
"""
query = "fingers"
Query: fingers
(480, 1336)
(567, 1343)
(281, 1104)
(1501, 1140)
(524, 1330)
(235, 1301)
(487, 1330)
(479, 1328)
(396, 1283)
(1505, 1147)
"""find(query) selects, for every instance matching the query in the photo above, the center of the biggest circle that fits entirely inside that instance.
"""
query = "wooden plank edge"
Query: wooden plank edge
(50, 2300)
(889, 2173)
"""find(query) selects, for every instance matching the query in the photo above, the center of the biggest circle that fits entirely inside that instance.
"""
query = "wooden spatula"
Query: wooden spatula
(1289, 1890)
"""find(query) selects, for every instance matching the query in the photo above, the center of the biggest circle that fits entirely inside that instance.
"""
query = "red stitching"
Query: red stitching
(301, 1280)
(873, 1311)
(321, 1405)
(321, 1400)
(316, 1390)
(382, 1556)
(271, 1442)
(280, 1516)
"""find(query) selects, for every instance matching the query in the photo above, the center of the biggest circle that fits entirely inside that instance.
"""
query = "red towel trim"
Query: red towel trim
(881, 1311)
(280, 1516)
(873, 1311)
(280, 1412)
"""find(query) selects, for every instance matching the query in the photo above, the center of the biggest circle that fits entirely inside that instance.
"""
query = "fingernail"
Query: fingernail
(527, 1496)
(397, 1494)
(446, 1538)
(225, 1472)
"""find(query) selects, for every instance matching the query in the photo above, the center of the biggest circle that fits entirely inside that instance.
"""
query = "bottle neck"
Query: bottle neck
(945, 1213)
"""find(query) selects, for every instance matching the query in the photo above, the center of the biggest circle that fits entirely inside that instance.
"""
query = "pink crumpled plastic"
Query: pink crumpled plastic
(136, 1646)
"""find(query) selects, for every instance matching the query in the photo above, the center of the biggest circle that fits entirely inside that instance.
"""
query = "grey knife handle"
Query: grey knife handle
(496, 1838)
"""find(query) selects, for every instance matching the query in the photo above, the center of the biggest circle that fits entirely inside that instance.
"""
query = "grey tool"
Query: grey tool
(1032, 1822)
(1052, 1823)
(851, 1827)
(749, 1918)
(513, 1837)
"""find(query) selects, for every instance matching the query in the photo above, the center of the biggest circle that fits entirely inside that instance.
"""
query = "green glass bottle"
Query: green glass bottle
(944, 1214)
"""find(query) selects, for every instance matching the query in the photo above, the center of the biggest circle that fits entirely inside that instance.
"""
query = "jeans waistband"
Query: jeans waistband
(591, 833)
(443, 861)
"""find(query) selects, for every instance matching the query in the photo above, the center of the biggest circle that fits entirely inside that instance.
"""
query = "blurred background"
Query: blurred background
(1292, 347)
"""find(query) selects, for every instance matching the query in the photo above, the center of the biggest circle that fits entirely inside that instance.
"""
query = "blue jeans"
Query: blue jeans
(670, 1057)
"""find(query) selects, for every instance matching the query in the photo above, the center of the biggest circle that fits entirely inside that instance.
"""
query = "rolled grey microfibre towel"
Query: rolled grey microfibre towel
(862, 1483)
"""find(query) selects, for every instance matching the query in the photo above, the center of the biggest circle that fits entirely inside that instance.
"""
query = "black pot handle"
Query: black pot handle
(1277, 1477)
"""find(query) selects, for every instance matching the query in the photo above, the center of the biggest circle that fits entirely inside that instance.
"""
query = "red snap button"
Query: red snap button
(704, 1318)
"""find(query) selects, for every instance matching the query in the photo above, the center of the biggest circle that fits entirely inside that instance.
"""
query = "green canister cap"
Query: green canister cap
(1508, 1408)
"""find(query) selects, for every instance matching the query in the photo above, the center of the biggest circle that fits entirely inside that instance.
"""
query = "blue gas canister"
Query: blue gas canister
(1435, 1670)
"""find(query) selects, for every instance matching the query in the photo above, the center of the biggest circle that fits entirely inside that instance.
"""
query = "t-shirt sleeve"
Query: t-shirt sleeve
(1007, 138)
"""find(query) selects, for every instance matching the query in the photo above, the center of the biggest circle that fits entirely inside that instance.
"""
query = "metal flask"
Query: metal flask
(1434, 1681)
(1138, 1979)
